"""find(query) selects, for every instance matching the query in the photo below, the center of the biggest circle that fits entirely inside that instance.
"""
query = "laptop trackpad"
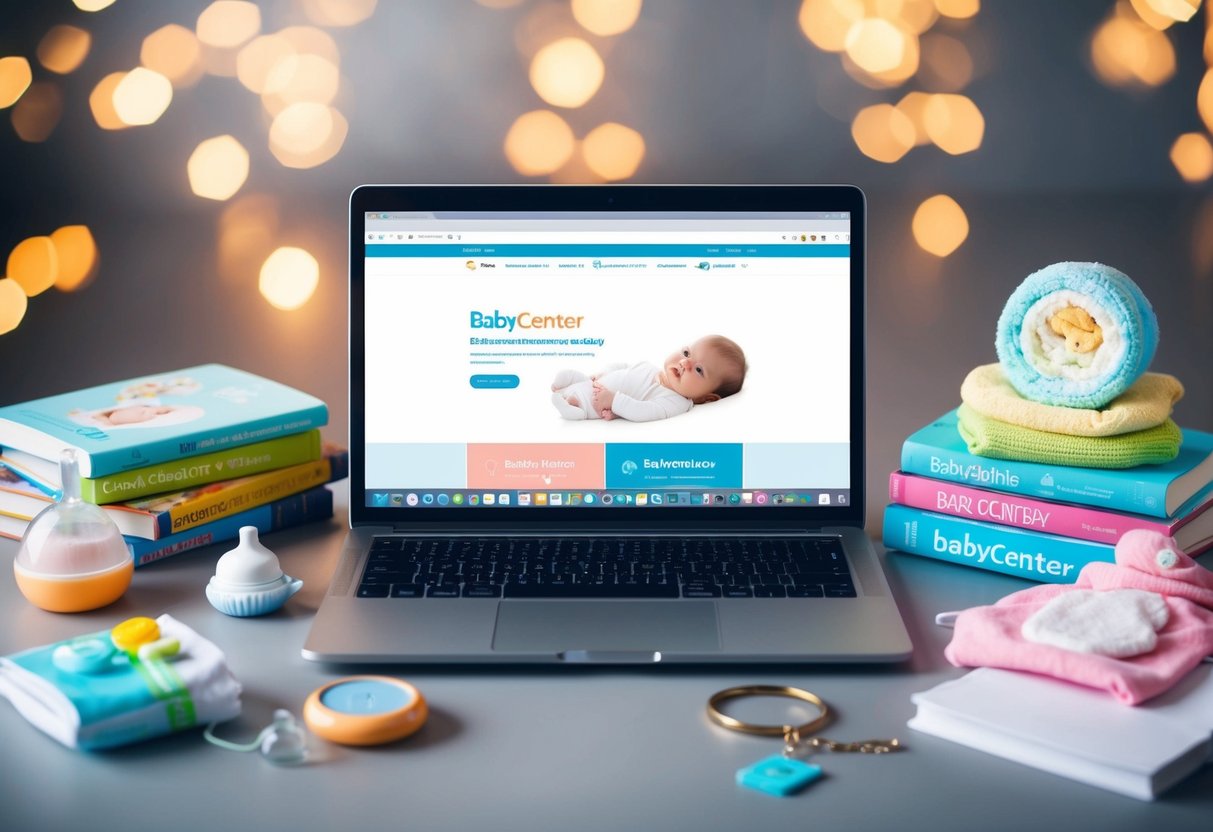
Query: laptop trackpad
(574, 627)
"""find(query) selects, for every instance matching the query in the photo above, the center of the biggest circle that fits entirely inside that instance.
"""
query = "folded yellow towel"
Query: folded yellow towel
(1146, 404)
(989, 437)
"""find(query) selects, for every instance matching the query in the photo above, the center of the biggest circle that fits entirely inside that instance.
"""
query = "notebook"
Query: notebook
(1077, 732)
(607, 424)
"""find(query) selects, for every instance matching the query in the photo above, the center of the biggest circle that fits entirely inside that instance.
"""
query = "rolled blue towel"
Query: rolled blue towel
(1076, 335)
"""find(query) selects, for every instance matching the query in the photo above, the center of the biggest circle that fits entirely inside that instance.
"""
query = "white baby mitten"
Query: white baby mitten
(1118, 623)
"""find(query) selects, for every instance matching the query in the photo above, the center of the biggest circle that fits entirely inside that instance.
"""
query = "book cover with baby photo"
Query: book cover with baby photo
(158, 418)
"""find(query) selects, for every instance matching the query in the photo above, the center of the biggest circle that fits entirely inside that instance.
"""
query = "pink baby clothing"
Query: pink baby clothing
(1133, 628)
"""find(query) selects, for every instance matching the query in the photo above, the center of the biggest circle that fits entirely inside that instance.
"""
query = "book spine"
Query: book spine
(304, 507)
(102, 463)
(250, 492)
(1013, 510)
(200, 470)
(1018, 552)
(1087, 486)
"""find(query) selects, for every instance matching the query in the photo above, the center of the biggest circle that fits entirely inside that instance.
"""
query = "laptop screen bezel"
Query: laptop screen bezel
(606, 198)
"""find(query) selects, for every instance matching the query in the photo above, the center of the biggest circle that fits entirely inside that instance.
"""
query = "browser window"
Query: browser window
(622, 359)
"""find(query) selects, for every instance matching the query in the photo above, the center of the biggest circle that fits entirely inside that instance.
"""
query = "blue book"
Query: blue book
(1156, 490)
(304, 507)
(169, 416)
(1025, 554)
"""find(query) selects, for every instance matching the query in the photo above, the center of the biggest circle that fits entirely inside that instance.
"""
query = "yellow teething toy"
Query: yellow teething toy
(133, 632)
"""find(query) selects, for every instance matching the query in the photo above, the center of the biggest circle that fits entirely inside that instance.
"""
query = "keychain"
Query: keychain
(784, 774)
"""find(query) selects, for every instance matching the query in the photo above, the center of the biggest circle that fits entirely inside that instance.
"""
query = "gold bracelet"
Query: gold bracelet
(725, 721)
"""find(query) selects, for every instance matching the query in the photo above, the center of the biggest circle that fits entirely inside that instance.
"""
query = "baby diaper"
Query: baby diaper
(88, 694)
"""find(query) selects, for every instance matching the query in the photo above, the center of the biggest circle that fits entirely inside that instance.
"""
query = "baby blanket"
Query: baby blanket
(1076, 335)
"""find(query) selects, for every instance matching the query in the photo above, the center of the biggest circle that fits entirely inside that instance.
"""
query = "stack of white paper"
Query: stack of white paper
(1077, 732)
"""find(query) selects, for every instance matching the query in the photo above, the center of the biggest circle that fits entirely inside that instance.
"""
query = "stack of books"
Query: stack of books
(179, 460)
(1040, 521)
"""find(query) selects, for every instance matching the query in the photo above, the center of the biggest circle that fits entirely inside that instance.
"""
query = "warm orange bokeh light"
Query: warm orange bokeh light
(15, 78)
(77, 253)
(101, 102)
(296, 78)
(339, 12)
(613, 151)
(940, 225)
(606, 17)
(882, 132)
(308, 40)
(247, 230)
(1204, 100)
(64, 48)
(175, 53)
(1149, 16)
(576, 171)
(217, 168)
(307, 134)
(826, 22)
(13, 304)
(289, 278)
(301, 128)
(34, 264)
(539, 142)
(142, 96)
(958, 9)
(38, 112)
(567, 73)
(226, 24)
(258, 59)
(876, 45)
(914, 105)
(954, 123)
(1127, 51)
(1209, 39)
(948, 63)
(1180, 10)
(1192, 156)
(915, 15)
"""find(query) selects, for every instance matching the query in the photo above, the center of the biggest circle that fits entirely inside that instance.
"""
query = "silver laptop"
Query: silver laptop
(607, 424)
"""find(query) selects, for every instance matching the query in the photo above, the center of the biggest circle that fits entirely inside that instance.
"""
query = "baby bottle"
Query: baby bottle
(72, 557)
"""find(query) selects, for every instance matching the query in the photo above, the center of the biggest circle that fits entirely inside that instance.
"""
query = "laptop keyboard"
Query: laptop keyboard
(606, 567)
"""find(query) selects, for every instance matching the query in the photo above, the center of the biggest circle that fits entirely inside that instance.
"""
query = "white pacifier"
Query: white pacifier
(248, 580)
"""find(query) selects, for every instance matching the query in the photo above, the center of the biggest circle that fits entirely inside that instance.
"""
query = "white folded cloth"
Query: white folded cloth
(125, 700)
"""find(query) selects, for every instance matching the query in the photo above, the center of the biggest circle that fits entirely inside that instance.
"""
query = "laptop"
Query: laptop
(607, 424)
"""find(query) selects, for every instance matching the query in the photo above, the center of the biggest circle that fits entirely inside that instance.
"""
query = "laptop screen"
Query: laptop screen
(606, 360)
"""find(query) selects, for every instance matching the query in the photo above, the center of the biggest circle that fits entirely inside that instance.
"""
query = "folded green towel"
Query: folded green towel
(989, 437)
(1145, 405)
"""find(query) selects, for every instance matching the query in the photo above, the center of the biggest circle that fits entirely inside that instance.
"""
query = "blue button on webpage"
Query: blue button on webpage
(494, 382)
(687, 466)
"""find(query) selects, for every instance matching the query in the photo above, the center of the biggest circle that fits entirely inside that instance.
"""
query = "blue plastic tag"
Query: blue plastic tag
(778, 775)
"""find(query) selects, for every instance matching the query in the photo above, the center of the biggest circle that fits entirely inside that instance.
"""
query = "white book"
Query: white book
(1077, 732)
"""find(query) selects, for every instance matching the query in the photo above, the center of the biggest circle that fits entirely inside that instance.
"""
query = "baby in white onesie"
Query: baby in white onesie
(708, 370)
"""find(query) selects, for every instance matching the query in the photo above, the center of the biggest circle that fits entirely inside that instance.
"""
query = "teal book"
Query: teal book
(1025, 554)
(159, 418)
(938, 451)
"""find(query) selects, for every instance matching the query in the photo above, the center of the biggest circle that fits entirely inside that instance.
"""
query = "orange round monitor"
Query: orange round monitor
(365, 710)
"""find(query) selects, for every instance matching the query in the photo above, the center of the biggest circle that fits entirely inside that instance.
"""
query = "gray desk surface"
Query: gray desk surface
(536, 750)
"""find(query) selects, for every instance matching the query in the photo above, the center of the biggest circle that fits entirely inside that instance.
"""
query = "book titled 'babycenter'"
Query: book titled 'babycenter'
(158, 418)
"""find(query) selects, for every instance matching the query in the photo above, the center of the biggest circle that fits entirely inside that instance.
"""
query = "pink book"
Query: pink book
(1193, 530)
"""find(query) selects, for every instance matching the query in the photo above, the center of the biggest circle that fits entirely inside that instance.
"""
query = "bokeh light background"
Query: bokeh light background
(175, 174)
